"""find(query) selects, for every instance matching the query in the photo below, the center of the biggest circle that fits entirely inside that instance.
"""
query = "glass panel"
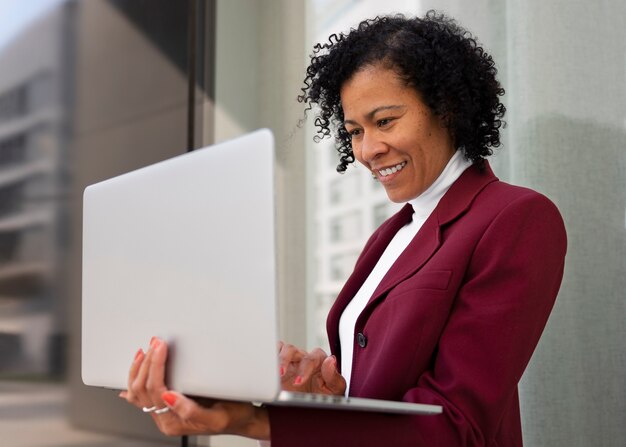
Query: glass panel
(355, 190)
(342, 264)
(344, 190)
(88, 90)
(346, 227)
(564, 138)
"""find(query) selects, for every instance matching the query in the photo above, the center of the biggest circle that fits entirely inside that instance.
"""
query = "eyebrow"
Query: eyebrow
(371, 114)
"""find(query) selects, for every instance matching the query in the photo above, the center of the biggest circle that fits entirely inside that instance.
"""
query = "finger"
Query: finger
(334, 381)
(289, 353)
(179, 404)
(155, 382)
(138, 386)
(170, 423)
(134, 371)
(191, 414)
(134, 367)
(288, 358)
(310, 365)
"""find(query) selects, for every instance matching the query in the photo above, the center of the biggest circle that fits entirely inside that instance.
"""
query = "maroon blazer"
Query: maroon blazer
(453, 323)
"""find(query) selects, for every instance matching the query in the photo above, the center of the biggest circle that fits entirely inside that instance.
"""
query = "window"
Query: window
(13, 103)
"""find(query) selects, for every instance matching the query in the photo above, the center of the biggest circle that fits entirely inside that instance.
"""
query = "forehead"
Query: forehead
(373, 87)
(371, 77)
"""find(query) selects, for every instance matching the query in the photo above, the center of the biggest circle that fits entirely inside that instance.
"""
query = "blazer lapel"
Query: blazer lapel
(420, 249)
(425, 243)
(452, 205)
(363, 267)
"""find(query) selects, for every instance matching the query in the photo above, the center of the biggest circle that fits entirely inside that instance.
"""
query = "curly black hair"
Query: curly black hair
(443, 62)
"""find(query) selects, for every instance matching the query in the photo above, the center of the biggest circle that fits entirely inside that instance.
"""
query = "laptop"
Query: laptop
(184, 249)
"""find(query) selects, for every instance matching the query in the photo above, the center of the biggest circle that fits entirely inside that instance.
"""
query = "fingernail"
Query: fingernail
(139, 354)
(282, 371)
(169, 398)
(153, 341)
(297, 381)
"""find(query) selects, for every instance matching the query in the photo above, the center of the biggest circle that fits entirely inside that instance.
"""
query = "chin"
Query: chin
(398, 198)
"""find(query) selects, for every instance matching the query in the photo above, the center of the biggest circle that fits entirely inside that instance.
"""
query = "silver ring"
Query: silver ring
(162, 410)
(150, 409)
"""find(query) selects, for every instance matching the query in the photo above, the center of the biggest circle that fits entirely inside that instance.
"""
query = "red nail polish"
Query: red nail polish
(139, 354)
(298, 381)
(169, 398)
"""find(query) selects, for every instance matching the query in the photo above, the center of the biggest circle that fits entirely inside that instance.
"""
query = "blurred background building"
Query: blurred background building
(93, 88)
(33, 197)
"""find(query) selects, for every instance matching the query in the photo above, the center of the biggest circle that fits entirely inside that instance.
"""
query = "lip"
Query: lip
(389, 177)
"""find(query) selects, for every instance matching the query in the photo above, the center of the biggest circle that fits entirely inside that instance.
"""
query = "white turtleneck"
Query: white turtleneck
(423, 205)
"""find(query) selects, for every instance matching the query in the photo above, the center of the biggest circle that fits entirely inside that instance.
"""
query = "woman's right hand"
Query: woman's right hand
(309, 372)
(180, 415)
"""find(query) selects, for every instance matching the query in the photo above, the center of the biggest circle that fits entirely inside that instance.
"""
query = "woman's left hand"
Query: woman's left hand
(177, 414)
(309, 372)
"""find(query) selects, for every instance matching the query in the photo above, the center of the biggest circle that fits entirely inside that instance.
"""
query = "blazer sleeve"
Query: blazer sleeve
(498, 315)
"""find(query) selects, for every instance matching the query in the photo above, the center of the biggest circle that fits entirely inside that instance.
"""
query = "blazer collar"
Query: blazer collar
(463, 192)
(452, 205)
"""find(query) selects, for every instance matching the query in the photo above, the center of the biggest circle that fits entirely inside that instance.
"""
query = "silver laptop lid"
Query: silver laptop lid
(172, 250)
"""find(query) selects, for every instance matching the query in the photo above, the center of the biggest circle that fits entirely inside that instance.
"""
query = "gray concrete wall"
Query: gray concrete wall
(260, 62)
(258, 70)
(130, 111)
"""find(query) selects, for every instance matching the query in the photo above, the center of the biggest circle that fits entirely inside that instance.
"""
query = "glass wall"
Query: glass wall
(563, 66)
(88, 90)
(106, 88)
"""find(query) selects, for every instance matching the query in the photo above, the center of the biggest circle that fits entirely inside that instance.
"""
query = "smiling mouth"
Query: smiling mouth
(392, 170)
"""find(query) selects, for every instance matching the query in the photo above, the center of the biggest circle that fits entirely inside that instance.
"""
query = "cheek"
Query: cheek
(356, 151)
(417, 156)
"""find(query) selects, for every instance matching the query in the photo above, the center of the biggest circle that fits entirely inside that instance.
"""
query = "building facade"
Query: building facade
(33, 197)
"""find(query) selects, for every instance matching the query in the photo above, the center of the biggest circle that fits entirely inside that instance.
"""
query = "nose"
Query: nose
(372, 147)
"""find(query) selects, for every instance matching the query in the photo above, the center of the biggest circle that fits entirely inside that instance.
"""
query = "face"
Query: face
(394, 134)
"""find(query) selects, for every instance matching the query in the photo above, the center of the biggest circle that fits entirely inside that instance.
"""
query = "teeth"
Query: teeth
(392, 170)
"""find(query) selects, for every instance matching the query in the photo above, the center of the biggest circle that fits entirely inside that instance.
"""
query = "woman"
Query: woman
(449, 296)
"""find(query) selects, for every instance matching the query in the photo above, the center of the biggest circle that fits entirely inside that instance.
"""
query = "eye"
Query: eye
(354, 132)
(384, 122)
